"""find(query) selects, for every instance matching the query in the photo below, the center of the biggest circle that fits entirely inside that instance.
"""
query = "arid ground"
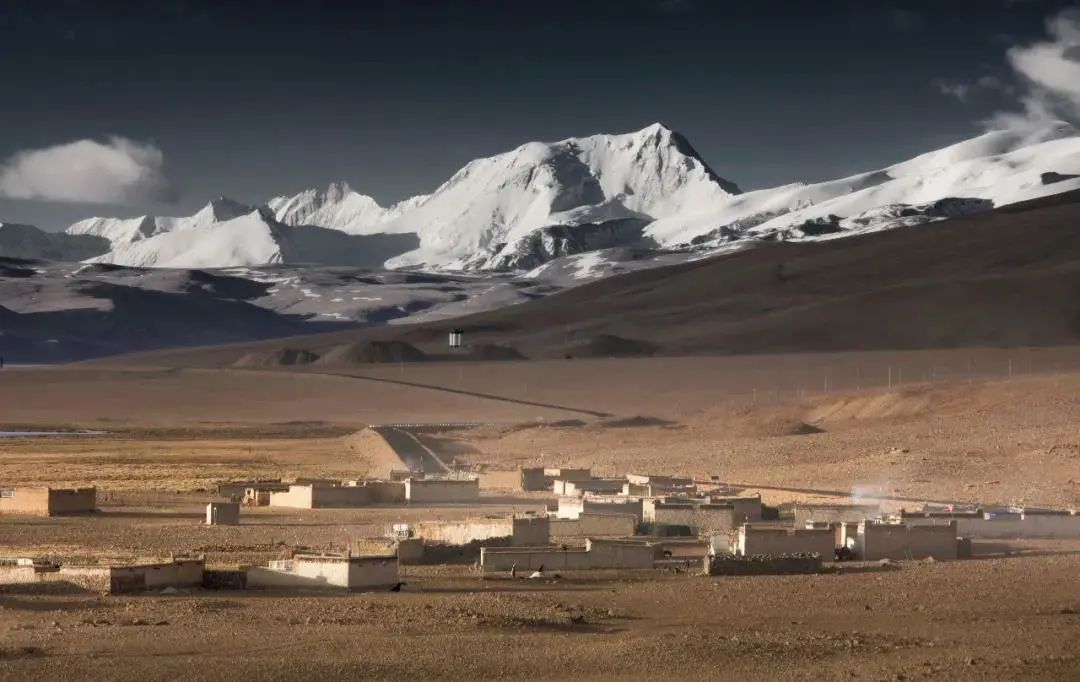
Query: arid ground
(954, 426)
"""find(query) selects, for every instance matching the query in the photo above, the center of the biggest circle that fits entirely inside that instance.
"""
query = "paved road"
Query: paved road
(415, 455)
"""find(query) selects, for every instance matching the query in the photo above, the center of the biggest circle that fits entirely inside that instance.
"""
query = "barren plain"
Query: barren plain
(954, 426)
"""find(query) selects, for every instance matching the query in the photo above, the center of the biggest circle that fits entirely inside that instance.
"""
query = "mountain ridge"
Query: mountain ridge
(648, 191)
(1005, 278)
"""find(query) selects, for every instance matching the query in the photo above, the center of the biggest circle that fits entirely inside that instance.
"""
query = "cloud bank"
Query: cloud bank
(1050, 73)
(117, 171)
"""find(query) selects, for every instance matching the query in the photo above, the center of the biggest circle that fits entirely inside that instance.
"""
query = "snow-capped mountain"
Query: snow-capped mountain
(993, 169)
(487, 215)
(537, 202)
(646, 192)
(225, 233)
(650, 189)
(339, 207)
(250, 239)
(121, 231)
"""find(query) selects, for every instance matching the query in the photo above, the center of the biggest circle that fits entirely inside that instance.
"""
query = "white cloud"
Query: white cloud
(117, 171)
(960, 91)
(1050, 71)
(966, 91)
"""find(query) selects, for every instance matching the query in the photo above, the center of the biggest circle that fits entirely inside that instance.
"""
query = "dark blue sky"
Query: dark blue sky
(253, 99)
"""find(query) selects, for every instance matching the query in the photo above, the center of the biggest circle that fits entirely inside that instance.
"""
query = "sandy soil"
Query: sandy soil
(998, 616)
(963, 620)
(1002, 442)
(586, 389)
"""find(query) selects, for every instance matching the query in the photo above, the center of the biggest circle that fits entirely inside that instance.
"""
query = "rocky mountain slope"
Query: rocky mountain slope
(27, 241)
(57, 312)
(1005, 278)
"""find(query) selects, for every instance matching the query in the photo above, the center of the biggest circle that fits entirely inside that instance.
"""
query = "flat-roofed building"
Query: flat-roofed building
(875, 541)
(442, 490)
(45, 501)
(223, 514)
(327, 571)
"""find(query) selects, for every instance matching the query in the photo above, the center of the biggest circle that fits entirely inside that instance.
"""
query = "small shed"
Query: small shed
(223, 514)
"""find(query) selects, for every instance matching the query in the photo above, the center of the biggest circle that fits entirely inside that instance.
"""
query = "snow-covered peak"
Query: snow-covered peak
(119, 230)
(252, 239)
(493, 203)
(129, 230)
(338, 191)
(635, 193)
(1000, 167)
(339, 207)
(243, 240)
(224, 208)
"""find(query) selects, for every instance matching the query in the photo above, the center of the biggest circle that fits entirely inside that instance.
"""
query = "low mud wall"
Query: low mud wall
(763, 564)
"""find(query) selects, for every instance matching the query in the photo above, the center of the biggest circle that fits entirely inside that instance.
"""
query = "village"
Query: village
(562, 523)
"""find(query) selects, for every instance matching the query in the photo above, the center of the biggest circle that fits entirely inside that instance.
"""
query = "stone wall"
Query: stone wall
(533, 479)
(609, 486)
(237, 489)
(410, 551)
(835, 513)
(72, 500)
(438, 491)
(598, 554)
(703, 519)
(573, 507)
(327, 496)
(661, 481)
(1060, 525)
(114, 579)
(384, 492)
(530, 531)
(464, 532)
(594, 524)
(875, 541)
(519, 531)
(370, 573)
(353, 573)
(746, 509)
(756, 540)
(296, 497)
(568, 473)
(612, 505)
(763, 564)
